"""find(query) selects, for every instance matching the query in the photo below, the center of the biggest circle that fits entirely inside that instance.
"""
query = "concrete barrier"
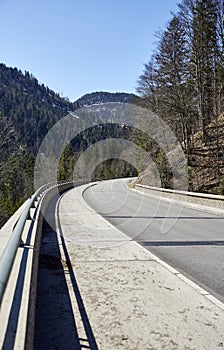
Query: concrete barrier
(194, 199)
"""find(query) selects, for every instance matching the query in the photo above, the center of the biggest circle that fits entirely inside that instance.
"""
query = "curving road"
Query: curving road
(190, 240)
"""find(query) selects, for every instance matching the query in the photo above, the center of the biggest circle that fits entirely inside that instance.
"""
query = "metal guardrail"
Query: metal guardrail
(8, 256)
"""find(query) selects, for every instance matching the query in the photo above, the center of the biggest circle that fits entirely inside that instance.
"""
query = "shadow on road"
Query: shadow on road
(195, 218)
(180, 243)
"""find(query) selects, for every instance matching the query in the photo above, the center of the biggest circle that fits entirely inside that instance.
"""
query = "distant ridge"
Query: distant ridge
(104, 97)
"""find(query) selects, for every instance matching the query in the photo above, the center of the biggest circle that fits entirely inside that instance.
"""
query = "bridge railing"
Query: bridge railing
(17, 283)
(8, 256)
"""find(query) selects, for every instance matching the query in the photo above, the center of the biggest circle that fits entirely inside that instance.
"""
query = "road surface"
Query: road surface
(190, 240)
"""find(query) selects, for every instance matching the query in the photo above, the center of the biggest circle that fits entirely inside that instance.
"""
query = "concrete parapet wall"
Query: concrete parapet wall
(207, 201)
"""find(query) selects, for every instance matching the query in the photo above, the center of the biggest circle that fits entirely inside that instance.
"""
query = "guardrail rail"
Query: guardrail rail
(19, 266)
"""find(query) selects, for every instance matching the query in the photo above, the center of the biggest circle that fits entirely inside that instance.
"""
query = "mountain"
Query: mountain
(104, 97)
(28, 110)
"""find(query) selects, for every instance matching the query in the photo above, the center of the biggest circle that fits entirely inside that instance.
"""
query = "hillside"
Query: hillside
(27, 109)
(206, 161)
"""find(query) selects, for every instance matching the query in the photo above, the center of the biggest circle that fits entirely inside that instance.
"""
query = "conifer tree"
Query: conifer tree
(204, 57)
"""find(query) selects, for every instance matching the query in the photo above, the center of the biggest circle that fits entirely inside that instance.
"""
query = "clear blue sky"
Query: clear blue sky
(80, 46)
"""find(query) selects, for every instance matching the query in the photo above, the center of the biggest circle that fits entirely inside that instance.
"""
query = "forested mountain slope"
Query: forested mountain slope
(27, 112)
(206, 161)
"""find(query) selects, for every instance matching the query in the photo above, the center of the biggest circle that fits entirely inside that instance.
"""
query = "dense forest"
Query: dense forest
(183, 82)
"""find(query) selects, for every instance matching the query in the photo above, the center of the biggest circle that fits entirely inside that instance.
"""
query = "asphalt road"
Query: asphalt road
(190, 240)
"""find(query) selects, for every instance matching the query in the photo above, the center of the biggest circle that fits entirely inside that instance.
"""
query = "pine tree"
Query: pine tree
(173, 76)
(204, 58)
